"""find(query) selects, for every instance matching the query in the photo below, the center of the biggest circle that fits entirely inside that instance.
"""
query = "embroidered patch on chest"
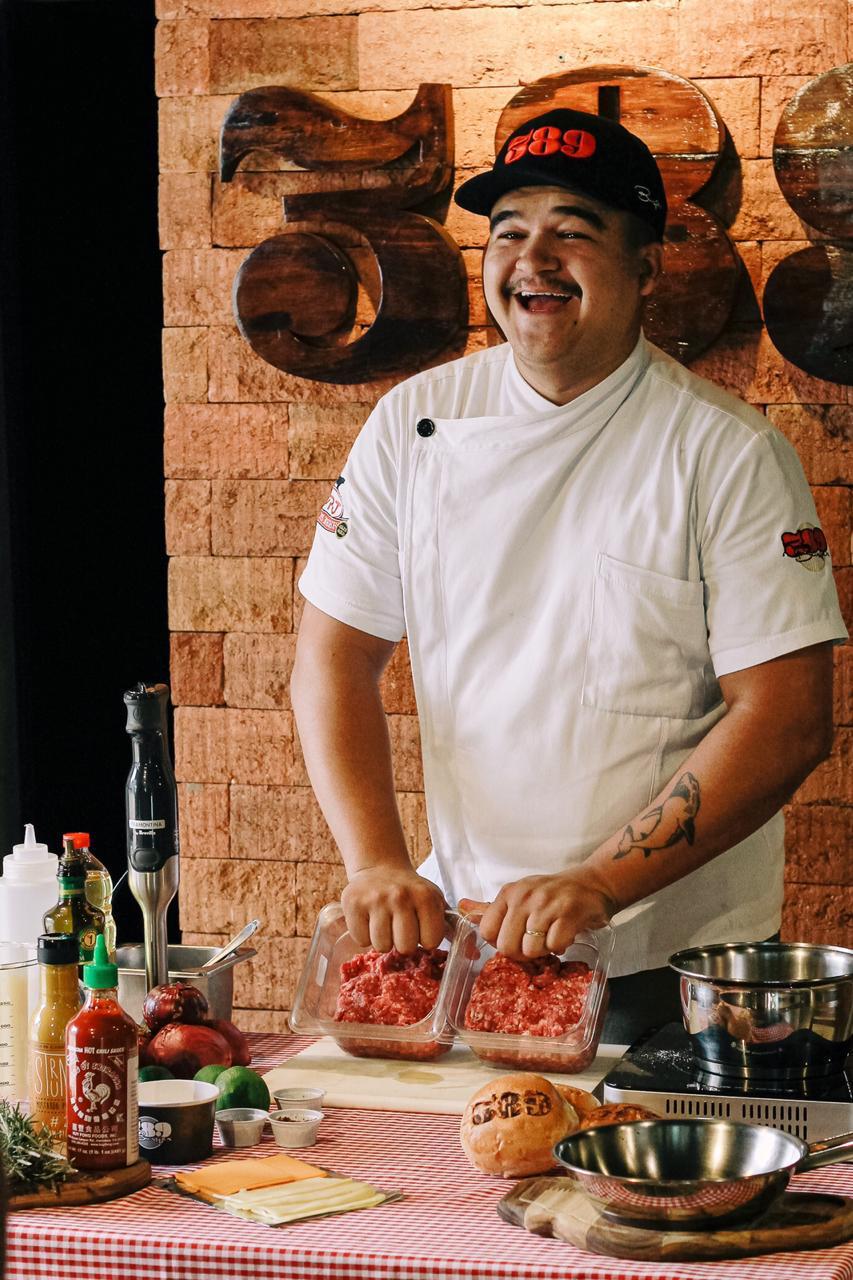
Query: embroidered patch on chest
(332, 517)
(807, 546)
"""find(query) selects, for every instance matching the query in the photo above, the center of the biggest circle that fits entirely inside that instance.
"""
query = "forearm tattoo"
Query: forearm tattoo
(667, 824)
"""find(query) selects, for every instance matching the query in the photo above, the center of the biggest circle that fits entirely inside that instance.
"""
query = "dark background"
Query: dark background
(82, 554)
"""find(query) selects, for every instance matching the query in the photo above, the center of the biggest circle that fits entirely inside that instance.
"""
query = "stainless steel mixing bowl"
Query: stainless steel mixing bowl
(185, 963)
(767, 1011)
(689, 1173)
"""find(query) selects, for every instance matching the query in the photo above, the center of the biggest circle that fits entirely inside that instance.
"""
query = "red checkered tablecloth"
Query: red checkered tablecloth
(446, 1228)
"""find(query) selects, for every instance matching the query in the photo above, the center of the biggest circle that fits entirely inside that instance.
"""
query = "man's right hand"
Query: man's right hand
(389, 907)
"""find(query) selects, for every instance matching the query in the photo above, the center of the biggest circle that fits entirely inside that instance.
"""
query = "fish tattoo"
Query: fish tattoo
(667, 824)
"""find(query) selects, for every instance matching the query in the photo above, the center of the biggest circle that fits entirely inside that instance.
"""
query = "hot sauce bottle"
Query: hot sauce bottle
(103, 1073)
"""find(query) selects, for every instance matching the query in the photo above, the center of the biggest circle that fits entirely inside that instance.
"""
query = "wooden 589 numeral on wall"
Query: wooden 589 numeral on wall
(295, 295)
(350, 223)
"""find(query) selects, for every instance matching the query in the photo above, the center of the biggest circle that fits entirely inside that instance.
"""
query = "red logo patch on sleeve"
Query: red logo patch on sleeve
(332, 515)
(805, 545)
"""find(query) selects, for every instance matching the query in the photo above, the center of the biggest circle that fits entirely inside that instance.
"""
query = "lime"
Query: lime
(154, 1073)
(210, 1072)
(241, 1087)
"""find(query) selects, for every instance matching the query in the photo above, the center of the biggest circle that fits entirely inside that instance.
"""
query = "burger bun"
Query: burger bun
(511, 1125)
(582, 1101)
(616, 1113)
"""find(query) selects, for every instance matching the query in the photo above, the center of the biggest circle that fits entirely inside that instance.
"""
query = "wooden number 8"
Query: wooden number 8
(295, 295)
(682, 129)
(808, 298)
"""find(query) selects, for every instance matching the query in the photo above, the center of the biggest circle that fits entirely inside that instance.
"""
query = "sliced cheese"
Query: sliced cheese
(231, 1176)
(287, 1204)
(291, 1191)
(294, 1192)
(273, 1220)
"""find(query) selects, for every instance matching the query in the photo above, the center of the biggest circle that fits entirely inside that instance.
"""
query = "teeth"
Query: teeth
(525, 294)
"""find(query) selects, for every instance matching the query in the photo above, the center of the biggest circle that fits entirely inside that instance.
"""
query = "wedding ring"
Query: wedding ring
(536, 933)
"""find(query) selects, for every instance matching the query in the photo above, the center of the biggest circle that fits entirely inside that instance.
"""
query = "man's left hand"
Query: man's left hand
(542, 914)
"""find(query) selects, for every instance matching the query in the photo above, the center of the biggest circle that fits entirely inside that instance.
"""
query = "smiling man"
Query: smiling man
(618, 605)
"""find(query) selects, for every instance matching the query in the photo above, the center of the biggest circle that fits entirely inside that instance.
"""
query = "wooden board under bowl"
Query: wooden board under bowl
(555, 1207)
(85, 1188)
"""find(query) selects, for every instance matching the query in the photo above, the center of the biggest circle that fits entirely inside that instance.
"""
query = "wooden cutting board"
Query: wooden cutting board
(86, 1188)
(553, 1207)
(382, 1084)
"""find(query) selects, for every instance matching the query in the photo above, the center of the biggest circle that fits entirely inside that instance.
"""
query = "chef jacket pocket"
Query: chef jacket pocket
(647, 646)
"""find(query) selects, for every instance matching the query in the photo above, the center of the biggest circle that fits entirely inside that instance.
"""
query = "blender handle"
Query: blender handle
(828, 1152)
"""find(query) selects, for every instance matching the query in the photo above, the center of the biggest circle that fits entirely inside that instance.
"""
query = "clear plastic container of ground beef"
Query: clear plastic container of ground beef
(374, 1004)
(533, 1015)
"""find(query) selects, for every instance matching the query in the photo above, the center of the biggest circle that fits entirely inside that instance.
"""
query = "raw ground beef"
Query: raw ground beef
(391, 990)
(542, 997)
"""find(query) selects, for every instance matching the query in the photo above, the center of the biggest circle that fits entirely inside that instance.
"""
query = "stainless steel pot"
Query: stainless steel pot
(767, 1011)
(689, 1173)
(184, 962)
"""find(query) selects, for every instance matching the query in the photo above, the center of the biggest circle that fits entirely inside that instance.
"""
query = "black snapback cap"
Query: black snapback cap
(580, 151)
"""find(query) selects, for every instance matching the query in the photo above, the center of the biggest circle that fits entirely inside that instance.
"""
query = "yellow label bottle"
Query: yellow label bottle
(59, 1002)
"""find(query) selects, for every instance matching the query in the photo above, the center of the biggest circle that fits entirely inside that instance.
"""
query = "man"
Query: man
(618, 605)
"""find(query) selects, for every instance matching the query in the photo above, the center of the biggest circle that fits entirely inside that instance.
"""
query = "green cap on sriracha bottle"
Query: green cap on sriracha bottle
(100, 973)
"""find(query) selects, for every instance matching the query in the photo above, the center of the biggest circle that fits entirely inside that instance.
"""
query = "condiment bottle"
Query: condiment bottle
(99, 885)
(59, 1001)
(73, 913)
(27, 889)
(102, 1059)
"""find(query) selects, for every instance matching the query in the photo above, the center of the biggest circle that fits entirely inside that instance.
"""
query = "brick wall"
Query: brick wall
(250, 452)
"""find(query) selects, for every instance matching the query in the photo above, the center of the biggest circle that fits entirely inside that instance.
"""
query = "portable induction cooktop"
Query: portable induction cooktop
(659, 1072)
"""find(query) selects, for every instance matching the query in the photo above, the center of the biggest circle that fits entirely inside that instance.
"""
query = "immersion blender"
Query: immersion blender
(151, 805)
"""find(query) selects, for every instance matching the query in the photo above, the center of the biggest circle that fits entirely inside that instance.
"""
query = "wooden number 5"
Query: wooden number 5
(682, 129)
(348, 222)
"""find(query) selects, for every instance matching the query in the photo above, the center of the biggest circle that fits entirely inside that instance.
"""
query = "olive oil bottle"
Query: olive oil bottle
(73, 912)
(99, 885)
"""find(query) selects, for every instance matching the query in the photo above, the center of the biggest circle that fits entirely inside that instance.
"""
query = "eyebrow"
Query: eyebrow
(567, 210)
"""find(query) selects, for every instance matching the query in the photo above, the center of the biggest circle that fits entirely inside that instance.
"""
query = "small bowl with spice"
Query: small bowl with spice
(300, 1097)
(295, 1126)
(241, 1126)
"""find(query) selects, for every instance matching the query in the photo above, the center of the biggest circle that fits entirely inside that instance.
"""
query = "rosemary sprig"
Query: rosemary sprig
(26, 1150)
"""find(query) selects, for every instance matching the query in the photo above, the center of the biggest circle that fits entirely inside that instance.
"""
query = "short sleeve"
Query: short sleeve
(767, 570)
(353, 570)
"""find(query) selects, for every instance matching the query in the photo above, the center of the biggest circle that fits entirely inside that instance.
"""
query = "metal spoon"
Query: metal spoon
(236, 941)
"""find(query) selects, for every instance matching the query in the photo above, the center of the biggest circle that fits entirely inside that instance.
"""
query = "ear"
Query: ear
(650, 258)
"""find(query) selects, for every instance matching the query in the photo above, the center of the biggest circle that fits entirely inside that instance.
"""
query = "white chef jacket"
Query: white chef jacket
(573, 580)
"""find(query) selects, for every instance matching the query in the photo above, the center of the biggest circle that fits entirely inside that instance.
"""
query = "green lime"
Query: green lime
(154, 1073)
(210, 1073)
(242, 1087)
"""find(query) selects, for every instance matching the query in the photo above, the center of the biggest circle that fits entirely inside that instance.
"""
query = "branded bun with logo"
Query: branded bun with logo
(510, 1125)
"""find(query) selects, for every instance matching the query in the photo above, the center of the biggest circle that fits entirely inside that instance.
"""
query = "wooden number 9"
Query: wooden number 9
(692, 303)
(808, 298)
(347, 221)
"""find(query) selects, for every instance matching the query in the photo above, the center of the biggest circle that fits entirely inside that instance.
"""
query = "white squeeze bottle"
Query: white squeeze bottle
(27, 890)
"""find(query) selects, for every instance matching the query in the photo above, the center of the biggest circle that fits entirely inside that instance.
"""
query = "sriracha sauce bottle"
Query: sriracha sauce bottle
(103, 1073)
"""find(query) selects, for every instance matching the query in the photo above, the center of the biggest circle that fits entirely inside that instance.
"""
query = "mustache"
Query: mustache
(563, 288)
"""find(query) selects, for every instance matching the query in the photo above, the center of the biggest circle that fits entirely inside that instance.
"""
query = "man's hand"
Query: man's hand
(389, 907)
(542, 914)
